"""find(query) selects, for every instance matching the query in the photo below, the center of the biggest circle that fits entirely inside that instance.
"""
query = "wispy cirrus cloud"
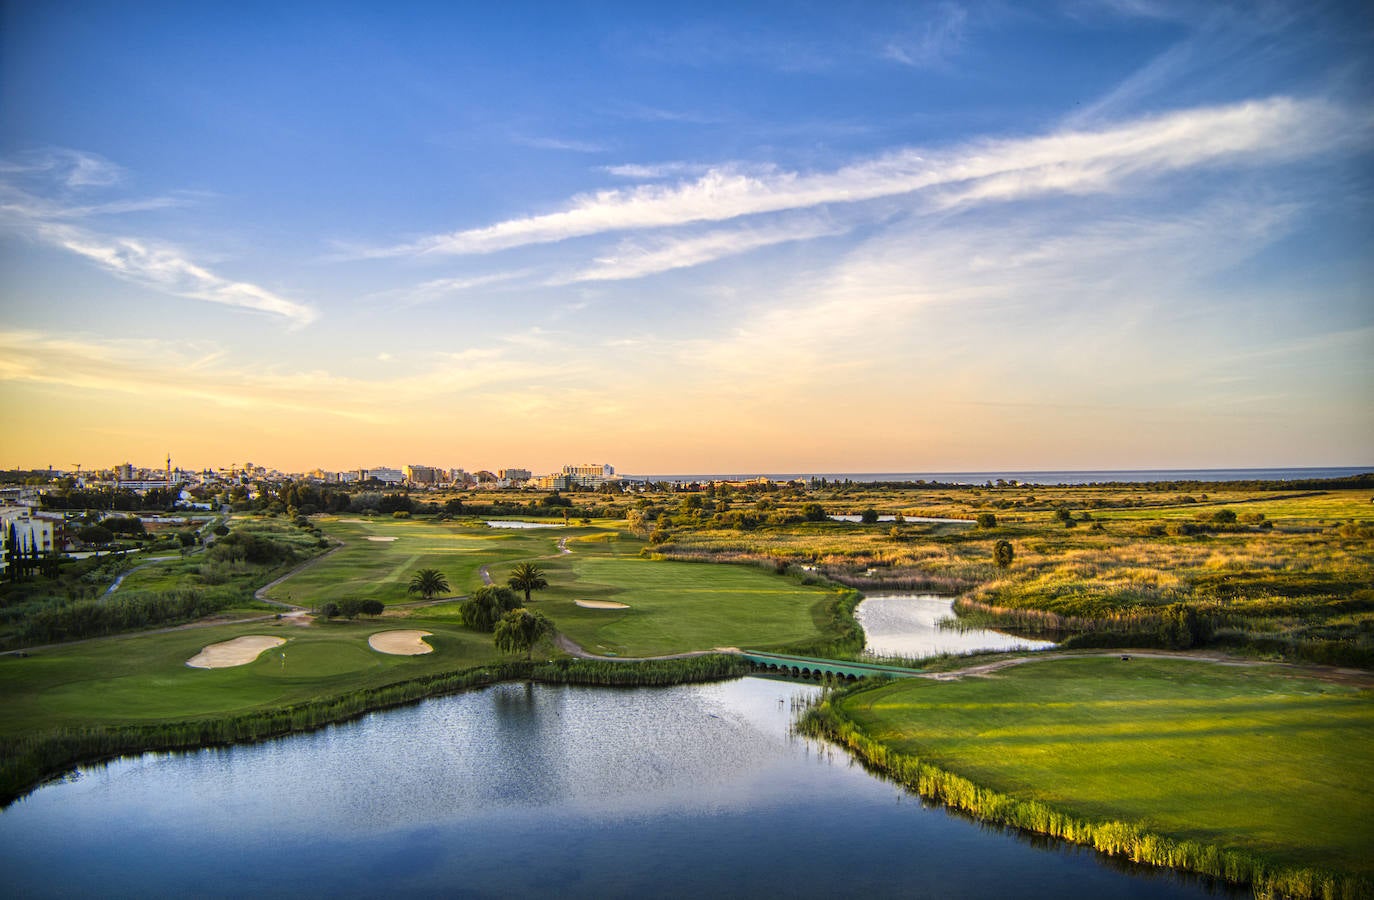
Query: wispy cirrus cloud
(1065, 162)
(656, 171)
(636, 259)
(43, 197)
(931, 43)
(168, 269)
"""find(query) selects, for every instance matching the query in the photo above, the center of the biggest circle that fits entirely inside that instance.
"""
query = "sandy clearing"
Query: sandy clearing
(400, 643)
(601, 604)
(373, 537)
(238, 652)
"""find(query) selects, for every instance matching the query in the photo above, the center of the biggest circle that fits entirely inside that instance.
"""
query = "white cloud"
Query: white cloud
(168, 269)
(27, 189)
(637, 259)
(656, 171)
(1066, 162)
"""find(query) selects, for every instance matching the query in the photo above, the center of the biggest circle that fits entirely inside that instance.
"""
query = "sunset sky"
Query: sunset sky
(803, 237)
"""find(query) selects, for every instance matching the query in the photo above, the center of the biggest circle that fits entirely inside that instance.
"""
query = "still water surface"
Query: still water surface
(523, 790)
(909, 625)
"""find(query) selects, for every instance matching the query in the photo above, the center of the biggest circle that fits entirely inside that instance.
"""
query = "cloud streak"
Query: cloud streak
(637, 259)
(166, 268)
(1067, 162)
(152, 263)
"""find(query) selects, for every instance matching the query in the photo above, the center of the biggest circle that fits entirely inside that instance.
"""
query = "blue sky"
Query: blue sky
(729, 237)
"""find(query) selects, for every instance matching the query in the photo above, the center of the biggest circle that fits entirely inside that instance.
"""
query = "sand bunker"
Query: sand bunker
(400, 643)
(238, 652)
(601, 604)
(373, 537)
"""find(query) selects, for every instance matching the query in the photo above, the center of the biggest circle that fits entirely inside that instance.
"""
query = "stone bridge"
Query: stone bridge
(819, 669)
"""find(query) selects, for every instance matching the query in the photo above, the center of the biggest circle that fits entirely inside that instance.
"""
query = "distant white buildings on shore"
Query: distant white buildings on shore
(129, 477)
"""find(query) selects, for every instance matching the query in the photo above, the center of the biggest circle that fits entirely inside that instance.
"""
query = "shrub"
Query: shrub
(987, 520)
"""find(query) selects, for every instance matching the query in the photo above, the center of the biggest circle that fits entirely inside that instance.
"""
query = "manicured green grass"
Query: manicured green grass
(1250, 759)
(141, 679)
(380, 556)
(676, 607)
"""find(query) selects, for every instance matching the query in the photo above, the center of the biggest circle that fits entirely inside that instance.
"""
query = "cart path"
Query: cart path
(143, 565)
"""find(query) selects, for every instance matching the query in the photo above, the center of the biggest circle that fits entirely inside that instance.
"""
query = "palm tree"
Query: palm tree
(527, 577)
(427, 583)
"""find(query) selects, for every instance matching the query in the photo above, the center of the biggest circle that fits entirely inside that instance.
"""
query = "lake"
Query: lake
(908, 625)
(523, 790)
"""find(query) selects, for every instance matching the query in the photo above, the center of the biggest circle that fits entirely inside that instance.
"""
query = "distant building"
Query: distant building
(589, 474)
(384, 474)
(19, 525)
(514, 476)
(423, 474)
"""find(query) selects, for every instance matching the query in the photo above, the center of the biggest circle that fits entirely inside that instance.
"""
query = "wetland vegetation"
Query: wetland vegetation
(1266, 571)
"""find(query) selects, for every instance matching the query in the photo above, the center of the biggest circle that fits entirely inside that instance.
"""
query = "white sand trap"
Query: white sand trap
(601, 604)
(238, 652)
(373, 537)
(400, 643)
(352, 522)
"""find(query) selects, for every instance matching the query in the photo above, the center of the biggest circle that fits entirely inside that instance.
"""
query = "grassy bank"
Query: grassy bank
(27, 760)
(1246, 774)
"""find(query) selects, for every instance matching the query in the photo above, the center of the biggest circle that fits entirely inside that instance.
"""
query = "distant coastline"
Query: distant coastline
(1044, 477)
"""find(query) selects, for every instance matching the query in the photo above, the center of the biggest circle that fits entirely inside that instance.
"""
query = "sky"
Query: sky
(734, 237)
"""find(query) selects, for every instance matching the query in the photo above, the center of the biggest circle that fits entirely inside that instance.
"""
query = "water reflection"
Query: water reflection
(908, 625)
(524, 790)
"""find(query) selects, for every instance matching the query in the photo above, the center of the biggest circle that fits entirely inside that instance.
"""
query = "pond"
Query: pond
(513, 523)
(909, 625)
(523, 790)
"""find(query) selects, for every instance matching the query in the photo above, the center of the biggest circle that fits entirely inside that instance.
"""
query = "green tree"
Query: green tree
(520, 629)
(329, 610)
(869, 516)
(987, 520)
(372, 607)
(427, 583)
(1003, 553)
(485, 607)
(527, 577)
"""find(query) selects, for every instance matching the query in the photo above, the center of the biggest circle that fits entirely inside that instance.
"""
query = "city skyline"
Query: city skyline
(936, 237)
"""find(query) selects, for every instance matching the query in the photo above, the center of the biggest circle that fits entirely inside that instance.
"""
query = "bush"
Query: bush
(486, 606)
(987, 520)
(869, 516)
(95, 534)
